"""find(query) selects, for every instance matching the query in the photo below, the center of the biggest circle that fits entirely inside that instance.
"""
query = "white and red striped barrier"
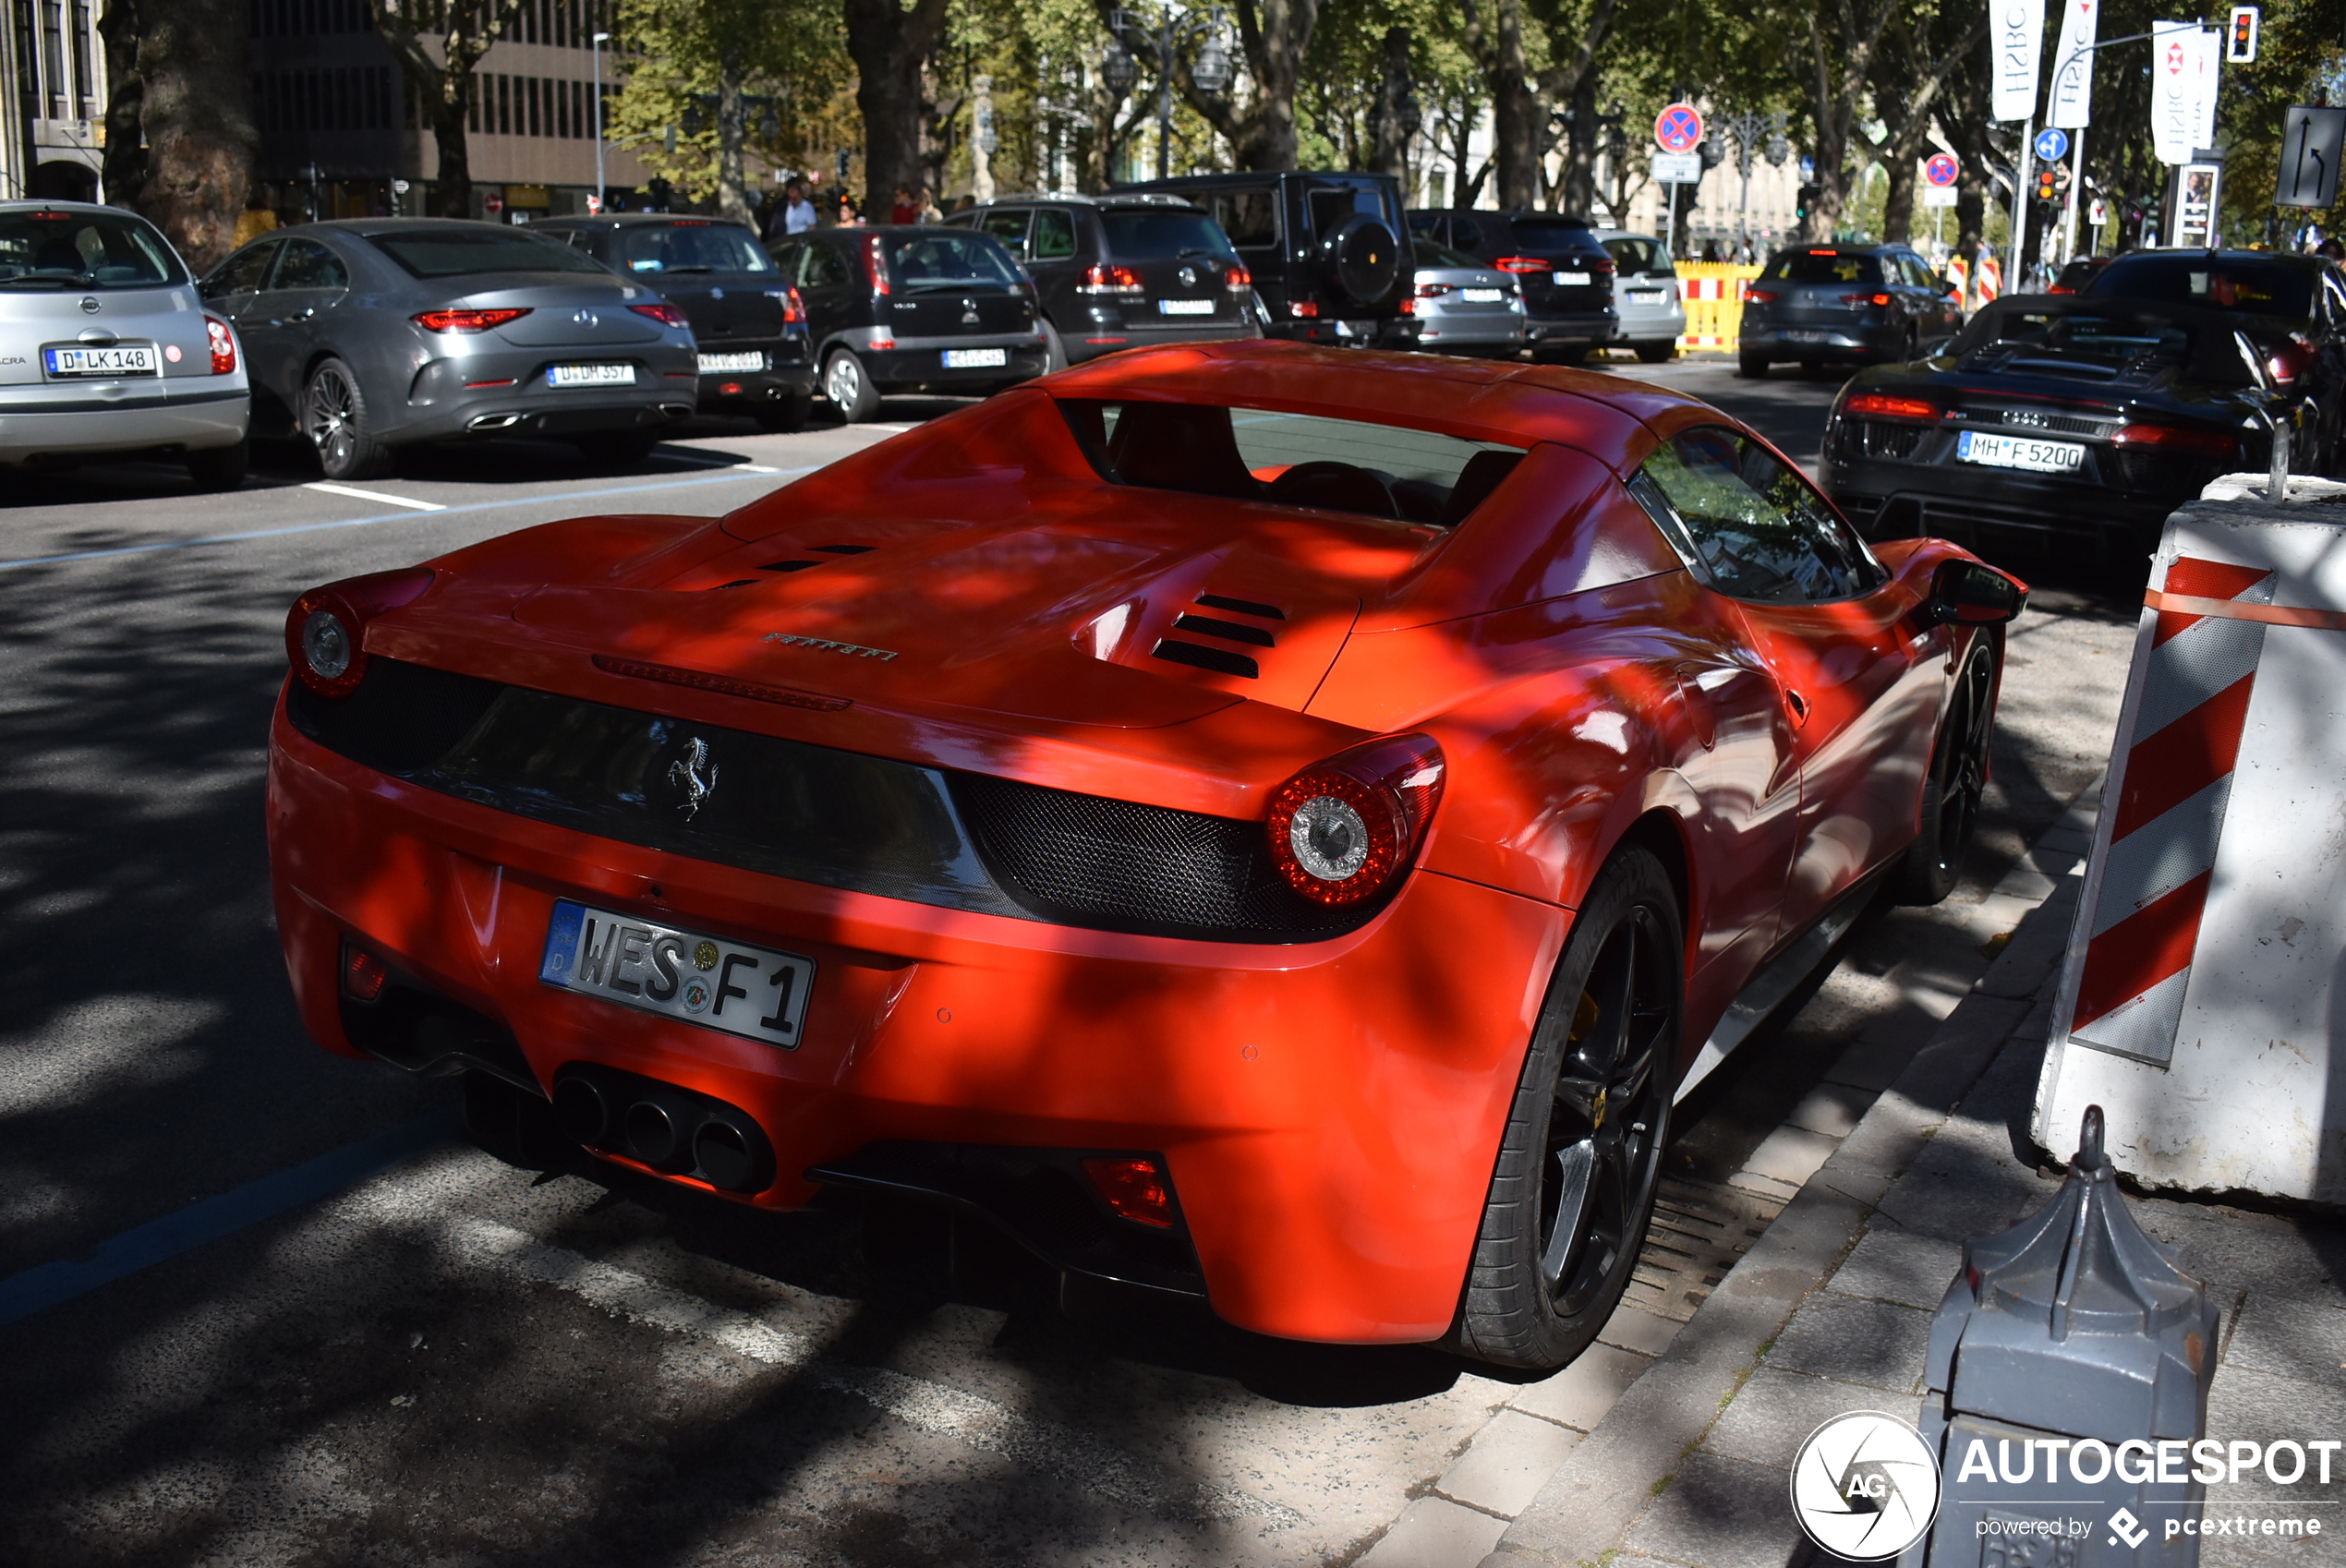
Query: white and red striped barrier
(2197, 1005)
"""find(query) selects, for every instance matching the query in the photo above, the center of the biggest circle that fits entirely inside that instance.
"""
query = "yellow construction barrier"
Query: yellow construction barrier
(1713, 294)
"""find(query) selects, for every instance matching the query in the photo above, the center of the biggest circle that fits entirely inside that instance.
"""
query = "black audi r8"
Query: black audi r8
(2065, 422)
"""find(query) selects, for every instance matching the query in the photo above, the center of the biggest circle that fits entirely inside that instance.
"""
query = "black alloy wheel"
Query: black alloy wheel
(334, 417)
(1580, 1164)
(1951, 792)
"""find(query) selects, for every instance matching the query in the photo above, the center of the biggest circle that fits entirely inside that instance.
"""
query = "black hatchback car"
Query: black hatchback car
(756, 358)
(1565, 273)
(1843, 304)
(2292, 306)
(1328, 253)
(902, 309)
(1122, 272)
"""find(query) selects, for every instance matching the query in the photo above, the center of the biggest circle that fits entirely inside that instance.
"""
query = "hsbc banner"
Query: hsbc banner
(2018, 29)
(2183, 58)
(2072, 108)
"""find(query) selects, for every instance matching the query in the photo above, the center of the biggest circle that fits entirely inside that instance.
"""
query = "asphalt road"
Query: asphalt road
(465, 1361)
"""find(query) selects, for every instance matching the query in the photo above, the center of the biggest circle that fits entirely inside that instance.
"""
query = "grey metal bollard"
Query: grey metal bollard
(2072, 1359)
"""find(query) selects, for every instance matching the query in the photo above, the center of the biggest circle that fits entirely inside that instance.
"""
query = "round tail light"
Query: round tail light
(1342, 828)
(325, 634)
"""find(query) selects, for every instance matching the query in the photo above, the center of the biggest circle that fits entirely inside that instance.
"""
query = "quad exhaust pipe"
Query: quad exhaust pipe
(671, 1130)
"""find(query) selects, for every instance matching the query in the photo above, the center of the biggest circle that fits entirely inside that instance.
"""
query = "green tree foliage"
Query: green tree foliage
(728, 79)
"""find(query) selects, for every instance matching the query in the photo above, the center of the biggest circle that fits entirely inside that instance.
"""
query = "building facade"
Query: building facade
(342, 130)
(52, 140)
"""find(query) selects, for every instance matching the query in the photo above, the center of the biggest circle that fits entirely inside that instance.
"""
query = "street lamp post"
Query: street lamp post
(602, 185)
(1174, 28)
(1747, 127)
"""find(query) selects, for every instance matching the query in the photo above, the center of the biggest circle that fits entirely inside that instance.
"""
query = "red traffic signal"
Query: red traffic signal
(2048, 185)
(2240, 43)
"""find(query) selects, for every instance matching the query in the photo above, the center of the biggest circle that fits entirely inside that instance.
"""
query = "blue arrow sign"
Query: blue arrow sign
(2052, 145)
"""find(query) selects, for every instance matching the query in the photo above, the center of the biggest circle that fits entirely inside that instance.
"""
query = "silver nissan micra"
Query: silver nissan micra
(106, 351)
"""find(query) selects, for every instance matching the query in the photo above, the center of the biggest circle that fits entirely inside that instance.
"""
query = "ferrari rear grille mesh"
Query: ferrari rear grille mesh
(1087, 860)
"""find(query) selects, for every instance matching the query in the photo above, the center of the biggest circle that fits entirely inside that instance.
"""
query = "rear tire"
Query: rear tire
(1751, 365)
(1657, 353)
(848, 386)
(334, 417)
(1951, 790)
(1581, 1160)
(219, 467)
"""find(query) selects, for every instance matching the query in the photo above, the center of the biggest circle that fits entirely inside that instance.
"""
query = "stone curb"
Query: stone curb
(1589, 1504)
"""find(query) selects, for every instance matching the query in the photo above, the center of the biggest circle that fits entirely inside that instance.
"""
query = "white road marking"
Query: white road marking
(1076, 1457)
(760, 468)
(383, 496)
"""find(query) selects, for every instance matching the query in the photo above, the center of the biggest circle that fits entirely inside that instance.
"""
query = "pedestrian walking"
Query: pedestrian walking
(794, 215)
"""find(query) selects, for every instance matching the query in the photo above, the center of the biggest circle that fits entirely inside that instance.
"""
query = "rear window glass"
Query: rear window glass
(460, 253)
(1824, 267)
(1548, 238)
(939, 258)
(2100, 344)
(1330, 208)
(83, 250)
(1383, 471)
(1141, 234)
(2230, 282)
(690, 248)
(1632, 254)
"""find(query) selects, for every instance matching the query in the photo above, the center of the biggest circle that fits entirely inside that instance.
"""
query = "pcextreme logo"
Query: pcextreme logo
(1865, 1486)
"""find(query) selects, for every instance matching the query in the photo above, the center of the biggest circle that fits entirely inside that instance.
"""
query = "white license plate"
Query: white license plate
(124, 360)
(718, 364)
(711, 980)
(1645, 296)
(1185, 307)
(975, 358)
(590, 375)
(1483, 295)
(2020, 451)
(1569, 280)
(1808, 335)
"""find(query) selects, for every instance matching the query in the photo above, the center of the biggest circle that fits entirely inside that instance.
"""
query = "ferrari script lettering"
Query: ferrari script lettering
(792, 639)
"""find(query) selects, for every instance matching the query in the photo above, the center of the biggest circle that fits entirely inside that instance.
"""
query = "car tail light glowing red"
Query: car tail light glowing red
(1879, 299)
(1409, 305)
(1761, 297)
(1111, 278)
(1521, 264)
(363, 974)
(2186, 439)
(326, 632)
(666, 315)
(1882, 405)
(223, 344)
(1433, 291)
(794, 307)
(1341, 829)
(1303, 308)
(467, 320)
(1238, 278)
(2290, 361)
(1134, 1186)
(875, 265)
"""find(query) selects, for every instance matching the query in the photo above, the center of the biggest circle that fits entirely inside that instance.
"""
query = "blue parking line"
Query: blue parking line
(391, 517)
(49, 1285)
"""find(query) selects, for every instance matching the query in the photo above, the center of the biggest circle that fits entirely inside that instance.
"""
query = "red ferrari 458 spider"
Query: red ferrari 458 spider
(1278, 825)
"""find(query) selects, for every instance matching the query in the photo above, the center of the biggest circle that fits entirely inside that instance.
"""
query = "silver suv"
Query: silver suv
(105, 350)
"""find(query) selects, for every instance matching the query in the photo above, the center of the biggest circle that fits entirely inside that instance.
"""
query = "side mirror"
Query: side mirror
(1969, 593)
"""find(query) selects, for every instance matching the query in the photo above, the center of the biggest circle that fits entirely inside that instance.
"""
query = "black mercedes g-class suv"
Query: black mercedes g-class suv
(1328, 253)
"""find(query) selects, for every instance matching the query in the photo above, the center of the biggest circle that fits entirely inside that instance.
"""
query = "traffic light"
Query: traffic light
(2240, 44)
(1807, 199)
(2048, 185)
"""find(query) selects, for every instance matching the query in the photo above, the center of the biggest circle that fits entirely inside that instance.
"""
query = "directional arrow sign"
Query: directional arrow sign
(1941, 169)
(2052, 145)
(1678, 129)
(2310, 143)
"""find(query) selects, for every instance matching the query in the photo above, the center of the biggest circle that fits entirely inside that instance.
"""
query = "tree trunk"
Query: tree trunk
(1395, 109)
(444, 78)
(1580, 184)
(732, 178)
(1517, 117)
(190, 93)
(453, 185)
(890, 47)
(125, 157)
(1898, 202)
